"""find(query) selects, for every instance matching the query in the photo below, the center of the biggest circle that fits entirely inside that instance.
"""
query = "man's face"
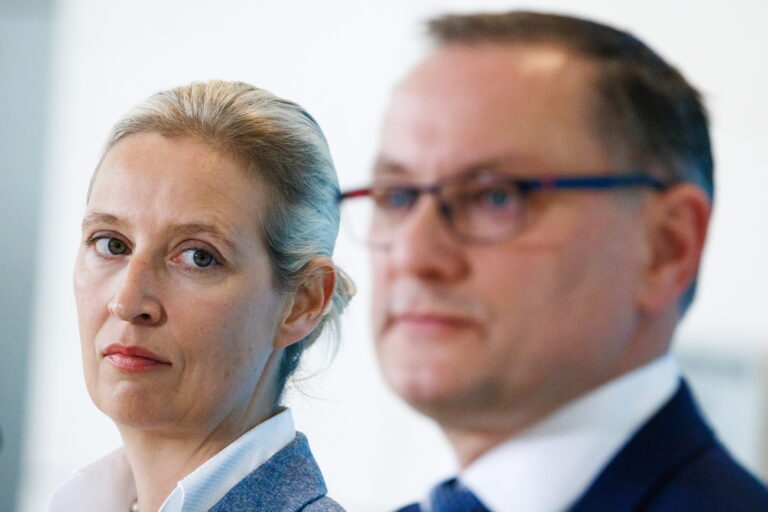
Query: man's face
(500, 334)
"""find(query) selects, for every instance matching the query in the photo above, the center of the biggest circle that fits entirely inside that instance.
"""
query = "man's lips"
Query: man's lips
(133, 358)
(435, 321)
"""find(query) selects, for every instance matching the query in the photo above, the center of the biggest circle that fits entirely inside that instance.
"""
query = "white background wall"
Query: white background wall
(339, 58)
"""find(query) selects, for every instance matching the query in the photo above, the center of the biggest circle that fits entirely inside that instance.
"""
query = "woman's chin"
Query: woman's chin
(128, 405)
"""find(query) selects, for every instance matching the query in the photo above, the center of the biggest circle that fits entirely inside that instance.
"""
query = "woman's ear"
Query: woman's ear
(306, 306)
(676, 233)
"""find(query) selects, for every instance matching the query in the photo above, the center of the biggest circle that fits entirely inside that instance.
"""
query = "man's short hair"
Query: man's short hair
(647, 115)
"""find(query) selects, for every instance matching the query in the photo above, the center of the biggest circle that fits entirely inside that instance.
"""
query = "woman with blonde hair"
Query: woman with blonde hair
(204, 272)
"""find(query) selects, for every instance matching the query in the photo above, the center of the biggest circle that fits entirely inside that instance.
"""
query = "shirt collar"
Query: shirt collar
(108, 484)
(201, 489)
(547, 467)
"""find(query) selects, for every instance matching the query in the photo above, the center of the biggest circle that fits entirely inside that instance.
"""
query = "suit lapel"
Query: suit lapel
(286, 482)
(673, 436)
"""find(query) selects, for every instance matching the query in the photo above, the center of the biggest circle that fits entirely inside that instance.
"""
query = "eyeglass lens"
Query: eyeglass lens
(475, 208)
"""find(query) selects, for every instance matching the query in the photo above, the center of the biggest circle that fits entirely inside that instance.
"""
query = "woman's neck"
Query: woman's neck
(159, 460)
(158, 466)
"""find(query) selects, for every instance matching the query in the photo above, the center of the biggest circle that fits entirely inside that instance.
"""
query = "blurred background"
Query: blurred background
(70, 68)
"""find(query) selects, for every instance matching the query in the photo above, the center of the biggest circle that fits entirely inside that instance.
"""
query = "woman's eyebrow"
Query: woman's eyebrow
(185, 229)
(99, 218)
(194, 228)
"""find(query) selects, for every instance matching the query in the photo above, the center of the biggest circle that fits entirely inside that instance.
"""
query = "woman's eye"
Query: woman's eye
(198, 258)
(110, 246)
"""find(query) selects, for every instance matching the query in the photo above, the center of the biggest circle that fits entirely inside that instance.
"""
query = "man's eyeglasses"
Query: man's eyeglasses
(479, 207)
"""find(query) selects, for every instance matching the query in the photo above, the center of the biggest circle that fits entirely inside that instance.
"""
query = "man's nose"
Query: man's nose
(134, 300)
(424, 245)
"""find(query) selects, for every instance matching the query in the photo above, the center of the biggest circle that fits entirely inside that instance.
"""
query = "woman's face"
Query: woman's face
(175, 302)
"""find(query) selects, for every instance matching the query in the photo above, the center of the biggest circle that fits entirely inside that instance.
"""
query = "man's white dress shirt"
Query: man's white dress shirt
(550, 465)
(108, 485)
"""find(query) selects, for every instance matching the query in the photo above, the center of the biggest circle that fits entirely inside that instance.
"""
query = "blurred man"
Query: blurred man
(539, 207)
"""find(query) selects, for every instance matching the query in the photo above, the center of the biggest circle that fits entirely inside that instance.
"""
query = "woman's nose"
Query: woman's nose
(135, 300)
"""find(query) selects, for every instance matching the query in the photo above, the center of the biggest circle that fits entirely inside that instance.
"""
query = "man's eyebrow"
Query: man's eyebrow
(501, 162)
(383, 166)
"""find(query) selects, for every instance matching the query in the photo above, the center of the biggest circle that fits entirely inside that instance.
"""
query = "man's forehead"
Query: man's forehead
(457, 66)
(466, 104)
(486, 84)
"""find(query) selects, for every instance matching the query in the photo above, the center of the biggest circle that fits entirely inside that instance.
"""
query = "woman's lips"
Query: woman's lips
(133, 358)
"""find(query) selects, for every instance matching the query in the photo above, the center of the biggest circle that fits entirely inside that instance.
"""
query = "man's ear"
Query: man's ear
(305, 307)
(677, 230)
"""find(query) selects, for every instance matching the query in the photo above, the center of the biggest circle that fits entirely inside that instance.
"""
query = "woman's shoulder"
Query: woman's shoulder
(323, 504)
(290, 481)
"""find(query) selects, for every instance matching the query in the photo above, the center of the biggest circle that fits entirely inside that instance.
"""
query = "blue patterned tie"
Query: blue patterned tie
(451, 496)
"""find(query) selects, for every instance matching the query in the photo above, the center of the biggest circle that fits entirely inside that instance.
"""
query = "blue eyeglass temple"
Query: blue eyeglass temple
(575, 182)
(592, 182)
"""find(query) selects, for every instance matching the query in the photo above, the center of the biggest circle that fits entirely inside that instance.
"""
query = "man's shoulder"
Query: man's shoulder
(711, 481)
(674, 463)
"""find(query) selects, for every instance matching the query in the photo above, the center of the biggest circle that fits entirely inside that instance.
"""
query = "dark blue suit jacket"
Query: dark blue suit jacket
(673, 463)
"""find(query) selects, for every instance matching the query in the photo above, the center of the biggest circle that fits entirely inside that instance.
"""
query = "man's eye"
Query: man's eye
(395, 198)
(110, 246)
(198, 258)
(494, 197)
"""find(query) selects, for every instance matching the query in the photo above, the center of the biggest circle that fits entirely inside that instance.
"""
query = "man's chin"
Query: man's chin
(430, 391)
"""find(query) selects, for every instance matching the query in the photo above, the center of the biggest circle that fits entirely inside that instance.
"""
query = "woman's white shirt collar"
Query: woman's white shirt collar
(108, 484)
